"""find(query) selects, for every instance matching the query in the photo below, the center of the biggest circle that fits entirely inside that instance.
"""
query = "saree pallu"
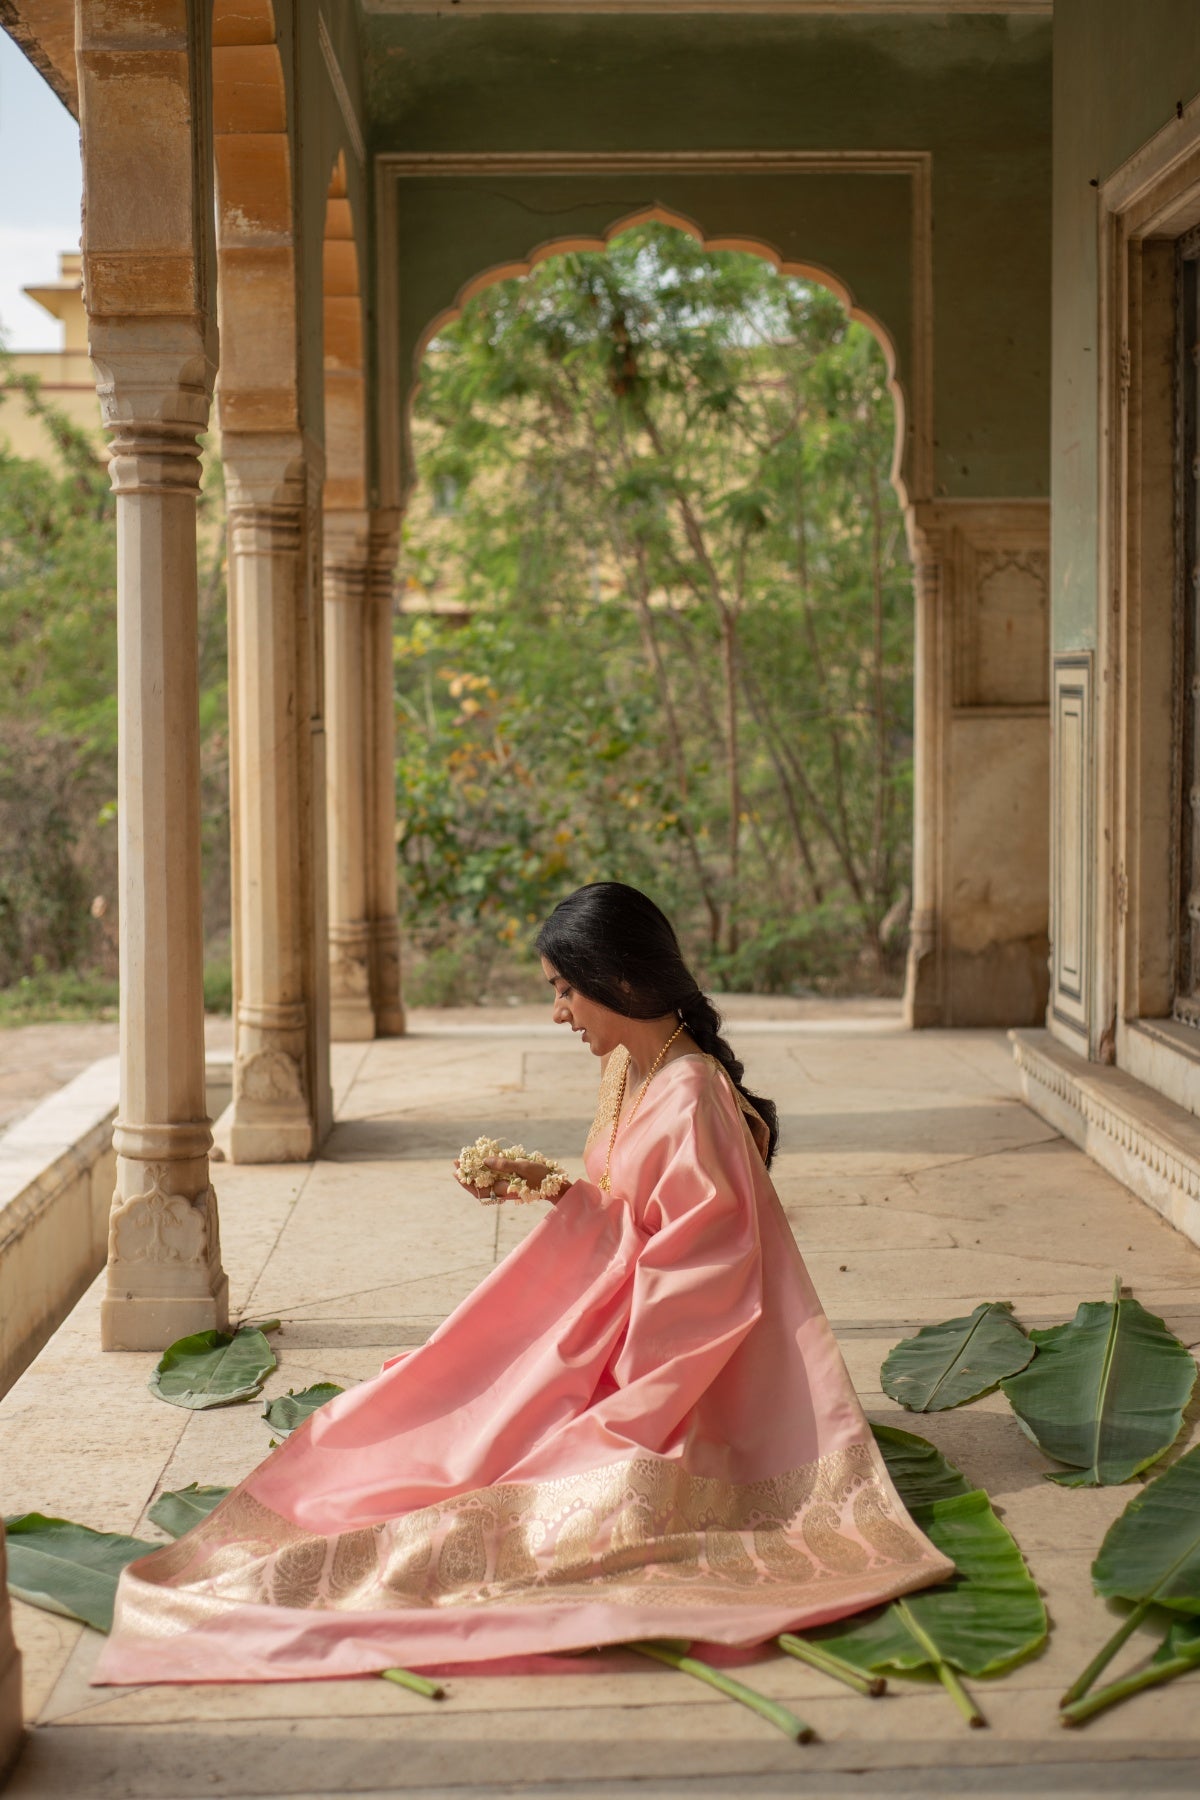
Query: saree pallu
(639, 1425)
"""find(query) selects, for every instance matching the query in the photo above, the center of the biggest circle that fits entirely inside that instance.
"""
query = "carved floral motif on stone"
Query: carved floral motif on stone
(349, 977)
(270, 1075)
(158, 1226)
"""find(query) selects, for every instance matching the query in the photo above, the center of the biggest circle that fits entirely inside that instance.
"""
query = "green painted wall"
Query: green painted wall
(1120, 70)
(972, 90)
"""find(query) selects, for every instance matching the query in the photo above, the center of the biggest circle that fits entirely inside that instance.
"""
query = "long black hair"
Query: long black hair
(613, 945)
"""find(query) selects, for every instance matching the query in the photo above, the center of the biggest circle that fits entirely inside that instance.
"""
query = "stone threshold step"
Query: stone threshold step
(1146, 1141)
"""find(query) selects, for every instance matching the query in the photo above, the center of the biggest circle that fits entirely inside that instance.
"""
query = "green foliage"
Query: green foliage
(1150, 1557)
(58, 717)
(67, 1568)
(948, 1364)
(920, 1471)
(177, 1510)
(987, 1618)
(63, 994)
(213, 1368)
(286, 1411)
(1105, 1393)
(658, 617)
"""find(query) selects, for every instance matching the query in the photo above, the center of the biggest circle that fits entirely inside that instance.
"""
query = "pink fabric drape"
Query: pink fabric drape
(638, 1425)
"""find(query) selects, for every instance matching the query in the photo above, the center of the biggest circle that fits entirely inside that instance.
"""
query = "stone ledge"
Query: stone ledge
(56, 1182)
(1145, 1140)
(57, 1173)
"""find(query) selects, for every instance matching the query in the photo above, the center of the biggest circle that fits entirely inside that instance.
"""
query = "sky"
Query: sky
(39, 197)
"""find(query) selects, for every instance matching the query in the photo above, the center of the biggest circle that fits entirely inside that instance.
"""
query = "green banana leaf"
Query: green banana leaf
(213, 1368)
(180, 1508)
(67, 1568)
(1151, 1554)
(284, 1413)
(948, 1364)
(1105, 1393)
(984, 1620)
(921, 1473)
(1183, 1639)
(1151, 1557)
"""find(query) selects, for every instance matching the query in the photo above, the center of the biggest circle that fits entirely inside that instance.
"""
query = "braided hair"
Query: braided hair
(613, 944)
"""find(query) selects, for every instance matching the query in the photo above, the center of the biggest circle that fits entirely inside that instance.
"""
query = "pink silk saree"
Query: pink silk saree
(639, 1425)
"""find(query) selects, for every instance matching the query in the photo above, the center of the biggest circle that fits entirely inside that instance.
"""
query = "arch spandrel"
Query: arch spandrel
(661, 215)
(858, 225)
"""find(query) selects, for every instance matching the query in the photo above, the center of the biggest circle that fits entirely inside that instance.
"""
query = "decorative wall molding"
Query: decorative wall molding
(338, 83)
(1146, 205)
(1071, 911)
(915, 165)
(1147, 1142)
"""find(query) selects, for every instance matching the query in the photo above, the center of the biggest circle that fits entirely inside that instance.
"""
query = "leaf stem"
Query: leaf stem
(945, 1674)
(1116, 1691)
(958, 1693)
(420, 1684)
(771, 1710)
(818, 1657)
(1105, 1654)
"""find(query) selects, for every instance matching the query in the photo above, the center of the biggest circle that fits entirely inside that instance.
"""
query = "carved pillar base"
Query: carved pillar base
(351, 1015)
(11, 1721)
(385, 978)
(271, 1120)
(923, 1005)
(165, 1278)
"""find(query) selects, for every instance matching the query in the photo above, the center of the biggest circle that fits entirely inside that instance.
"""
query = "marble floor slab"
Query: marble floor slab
(917, 1184)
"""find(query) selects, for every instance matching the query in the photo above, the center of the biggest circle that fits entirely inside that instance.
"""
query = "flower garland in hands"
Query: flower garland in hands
(473, 1170)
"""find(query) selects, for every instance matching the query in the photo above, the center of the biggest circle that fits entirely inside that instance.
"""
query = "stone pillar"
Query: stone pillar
(154, 378)
(386, 999)
(978, 953)
(10, 1677)
(280, 1013)
(347, 702)
(923, 1000)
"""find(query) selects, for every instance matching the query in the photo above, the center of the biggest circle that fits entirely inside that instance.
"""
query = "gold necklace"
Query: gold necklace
(605, 1179)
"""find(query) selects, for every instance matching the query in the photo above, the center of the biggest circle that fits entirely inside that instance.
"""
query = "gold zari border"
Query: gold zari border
(640, 1532)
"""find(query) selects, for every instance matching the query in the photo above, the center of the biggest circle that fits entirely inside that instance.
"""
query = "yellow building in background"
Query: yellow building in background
(66, 376)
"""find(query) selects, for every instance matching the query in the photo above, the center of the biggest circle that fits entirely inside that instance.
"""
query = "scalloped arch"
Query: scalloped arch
(663, 215)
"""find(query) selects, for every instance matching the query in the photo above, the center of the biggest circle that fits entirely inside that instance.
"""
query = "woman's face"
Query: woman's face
(598, 1025)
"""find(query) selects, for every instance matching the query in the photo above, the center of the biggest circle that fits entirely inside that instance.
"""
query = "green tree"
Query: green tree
(667, 618)
(58, 701)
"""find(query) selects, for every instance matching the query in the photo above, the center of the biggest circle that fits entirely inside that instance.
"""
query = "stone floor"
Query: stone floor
(918, 1185)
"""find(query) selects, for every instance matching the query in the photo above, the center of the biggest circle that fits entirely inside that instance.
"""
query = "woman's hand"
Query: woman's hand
(531, 1173)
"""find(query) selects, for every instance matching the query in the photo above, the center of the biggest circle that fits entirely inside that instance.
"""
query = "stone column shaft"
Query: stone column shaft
(281, 1026)
(386, 999)
(924, 1000)
(347, 665)
(164, 1266)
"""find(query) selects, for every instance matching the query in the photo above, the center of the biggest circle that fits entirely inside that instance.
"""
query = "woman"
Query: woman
(638, 1426)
